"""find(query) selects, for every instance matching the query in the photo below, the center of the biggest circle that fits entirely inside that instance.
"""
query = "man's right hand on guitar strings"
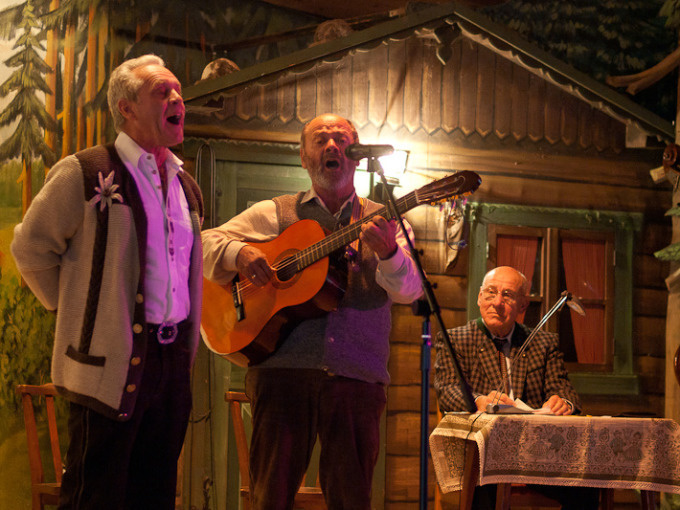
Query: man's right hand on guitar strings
(253, 264)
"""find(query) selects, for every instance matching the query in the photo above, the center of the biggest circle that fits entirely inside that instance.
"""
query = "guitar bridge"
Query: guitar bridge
(238, 300)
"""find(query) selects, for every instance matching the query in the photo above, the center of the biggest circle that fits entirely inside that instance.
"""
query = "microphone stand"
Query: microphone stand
(433, 308)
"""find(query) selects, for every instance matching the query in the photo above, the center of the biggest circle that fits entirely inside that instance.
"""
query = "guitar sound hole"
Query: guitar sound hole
(287, 270)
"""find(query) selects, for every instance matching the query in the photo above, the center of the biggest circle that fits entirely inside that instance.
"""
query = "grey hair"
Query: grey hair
(124, 84)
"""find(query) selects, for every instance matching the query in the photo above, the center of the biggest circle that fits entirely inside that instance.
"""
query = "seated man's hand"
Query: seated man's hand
(493, 398)
(558, 405)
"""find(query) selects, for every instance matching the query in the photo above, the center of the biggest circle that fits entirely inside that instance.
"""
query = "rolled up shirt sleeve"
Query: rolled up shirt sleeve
(221, 244)
(398, 275)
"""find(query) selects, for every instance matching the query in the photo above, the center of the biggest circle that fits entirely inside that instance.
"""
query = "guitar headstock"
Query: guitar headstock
(455, 185)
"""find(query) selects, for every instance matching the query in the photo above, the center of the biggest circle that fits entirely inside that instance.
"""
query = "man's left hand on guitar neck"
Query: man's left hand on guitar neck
(379, 235)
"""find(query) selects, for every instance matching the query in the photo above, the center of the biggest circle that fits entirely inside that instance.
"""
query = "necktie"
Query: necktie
(502, 365)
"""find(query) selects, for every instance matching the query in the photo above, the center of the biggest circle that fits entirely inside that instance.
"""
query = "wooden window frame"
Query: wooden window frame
(546, 291)
(621, 379)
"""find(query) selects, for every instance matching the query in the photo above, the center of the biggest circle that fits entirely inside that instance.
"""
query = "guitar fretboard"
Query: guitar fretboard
(346, 235)
(453, 186)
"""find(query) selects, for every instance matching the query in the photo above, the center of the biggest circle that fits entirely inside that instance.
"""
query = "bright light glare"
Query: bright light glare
(393, 165)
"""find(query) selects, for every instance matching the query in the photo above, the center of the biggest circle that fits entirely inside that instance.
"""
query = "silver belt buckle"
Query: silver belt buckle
(167, 332)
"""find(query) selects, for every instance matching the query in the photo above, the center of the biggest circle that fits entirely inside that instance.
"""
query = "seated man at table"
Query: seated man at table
(485, 348)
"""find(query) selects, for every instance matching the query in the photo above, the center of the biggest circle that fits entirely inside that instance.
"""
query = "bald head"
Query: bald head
(502, 297)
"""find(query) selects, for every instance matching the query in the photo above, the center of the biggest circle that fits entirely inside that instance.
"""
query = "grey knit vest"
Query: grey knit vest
(352, 341)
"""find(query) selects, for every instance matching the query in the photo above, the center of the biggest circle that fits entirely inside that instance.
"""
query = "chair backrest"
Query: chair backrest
(306, 498)
(42, 491)
(236, 399)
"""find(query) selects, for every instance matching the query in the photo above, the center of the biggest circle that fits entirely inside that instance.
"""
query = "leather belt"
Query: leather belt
(165, 332)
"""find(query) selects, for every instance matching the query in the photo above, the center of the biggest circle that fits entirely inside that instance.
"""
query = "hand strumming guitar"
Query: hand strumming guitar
(253, 264)
(379, 235)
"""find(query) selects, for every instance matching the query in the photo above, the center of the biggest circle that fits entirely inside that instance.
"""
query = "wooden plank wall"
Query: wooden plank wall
(399, 89)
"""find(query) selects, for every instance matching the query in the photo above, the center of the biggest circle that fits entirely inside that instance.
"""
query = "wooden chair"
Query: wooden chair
(507, 495)
(42, 492)
(307, 498)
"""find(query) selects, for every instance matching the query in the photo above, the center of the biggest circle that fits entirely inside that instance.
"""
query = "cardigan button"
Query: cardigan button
(135, 361)
(137, 328)
(131, 388)
(139, 298)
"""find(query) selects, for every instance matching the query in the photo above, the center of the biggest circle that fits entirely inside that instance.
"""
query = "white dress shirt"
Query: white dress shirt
(169, 238)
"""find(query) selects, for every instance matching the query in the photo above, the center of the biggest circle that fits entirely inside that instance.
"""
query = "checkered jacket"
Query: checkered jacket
(536, 375)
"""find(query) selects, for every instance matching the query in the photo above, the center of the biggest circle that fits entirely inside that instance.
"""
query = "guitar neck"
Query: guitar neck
(346, 235)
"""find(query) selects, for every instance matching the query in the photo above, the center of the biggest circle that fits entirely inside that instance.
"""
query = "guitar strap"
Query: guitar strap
(353, 251)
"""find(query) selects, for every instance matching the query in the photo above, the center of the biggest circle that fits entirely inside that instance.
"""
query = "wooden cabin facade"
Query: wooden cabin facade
(561, 157)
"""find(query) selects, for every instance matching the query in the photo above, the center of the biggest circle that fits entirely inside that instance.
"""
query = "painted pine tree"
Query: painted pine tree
(26, 108)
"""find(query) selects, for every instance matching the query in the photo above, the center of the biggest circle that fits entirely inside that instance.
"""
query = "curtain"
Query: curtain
(584, 270)
(518, 252)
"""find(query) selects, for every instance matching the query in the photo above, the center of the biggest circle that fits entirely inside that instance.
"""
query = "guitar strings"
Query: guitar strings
(332, 242)
(247, 288)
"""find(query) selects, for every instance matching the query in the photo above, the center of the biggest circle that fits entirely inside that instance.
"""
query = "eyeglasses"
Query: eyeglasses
(489, 294)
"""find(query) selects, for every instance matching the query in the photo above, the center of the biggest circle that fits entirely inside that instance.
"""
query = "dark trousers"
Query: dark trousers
(571, 498)
(290, 408)
(132, 465)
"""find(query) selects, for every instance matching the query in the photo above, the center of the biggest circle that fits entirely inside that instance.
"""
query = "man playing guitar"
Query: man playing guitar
(328, 375)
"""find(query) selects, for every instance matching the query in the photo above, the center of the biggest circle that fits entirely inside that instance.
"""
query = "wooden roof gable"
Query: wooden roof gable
(446, 72)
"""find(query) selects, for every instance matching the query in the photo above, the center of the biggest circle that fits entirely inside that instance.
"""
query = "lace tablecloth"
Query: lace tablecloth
(620, 453)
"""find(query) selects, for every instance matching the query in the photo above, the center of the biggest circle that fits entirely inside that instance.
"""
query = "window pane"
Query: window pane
(584, 267)
(592, 330)
(533, 314)
(583, 263)
(518, 252)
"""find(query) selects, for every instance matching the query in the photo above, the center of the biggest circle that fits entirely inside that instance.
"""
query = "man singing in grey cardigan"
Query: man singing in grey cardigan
(111, 243)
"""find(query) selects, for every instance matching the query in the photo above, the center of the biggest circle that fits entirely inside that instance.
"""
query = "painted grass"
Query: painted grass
(15, 478)
(9, 216)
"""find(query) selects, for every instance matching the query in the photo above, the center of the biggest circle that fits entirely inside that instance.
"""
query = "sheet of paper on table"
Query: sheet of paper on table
(519, 408)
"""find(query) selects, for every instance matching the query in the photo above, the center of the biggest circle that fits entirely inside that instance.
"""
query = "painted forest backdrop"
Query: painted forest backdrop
(53, 103)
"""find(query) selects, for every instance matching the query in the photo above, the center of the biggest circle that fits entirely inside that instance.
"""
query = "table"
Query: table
(606, 452)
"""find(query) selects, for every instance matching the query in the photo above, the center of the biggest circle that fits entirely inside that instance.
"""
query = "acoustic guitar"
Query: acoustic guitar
(245, 323)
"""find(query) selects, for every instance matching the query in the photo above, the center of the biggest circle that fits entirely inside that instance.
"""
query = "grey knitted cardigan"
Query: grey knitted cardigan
(86, 262)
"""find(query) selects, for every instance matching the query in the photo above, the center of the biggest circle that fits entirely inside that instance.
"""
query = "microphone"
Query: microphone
(357, 151)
